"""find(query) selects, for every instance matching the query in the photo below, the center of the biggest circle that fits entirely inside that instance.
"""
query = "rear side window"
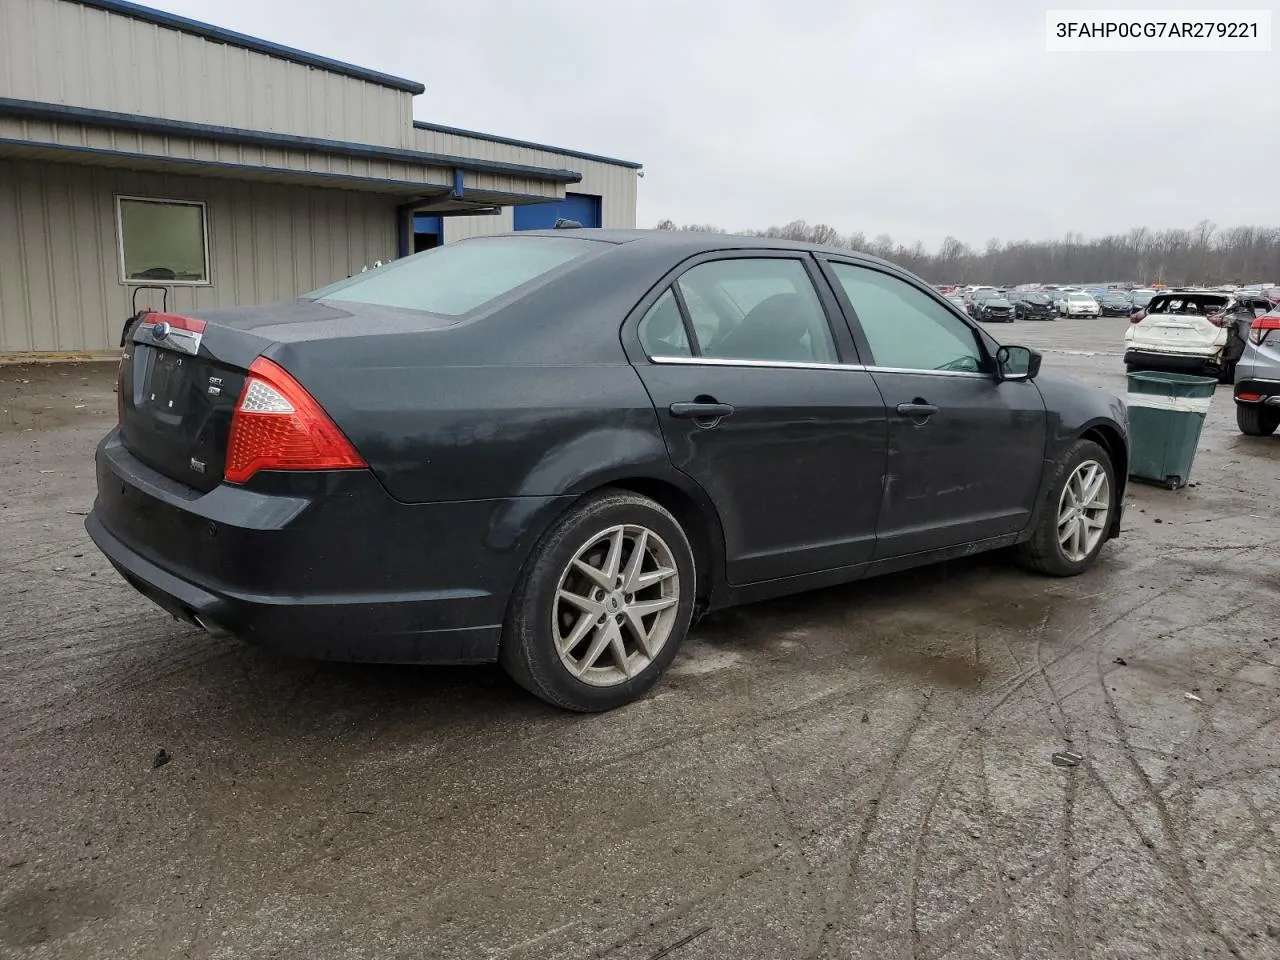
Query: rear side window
(757, 308)
(460, 277)
(662, 329)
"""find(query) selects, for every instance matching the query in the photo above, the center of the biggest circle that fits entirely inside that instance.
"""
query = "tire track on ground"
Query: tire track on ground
(1172, 860)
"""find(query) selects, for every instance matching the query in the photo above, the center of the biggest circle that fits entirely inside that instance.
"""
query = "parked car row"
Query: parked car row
(1002, 305)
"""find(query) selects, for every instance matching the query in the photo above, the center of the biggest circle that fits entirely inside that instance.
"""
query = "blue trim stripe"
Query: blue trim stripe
(126, 121)
(529, 144)
(208, 31)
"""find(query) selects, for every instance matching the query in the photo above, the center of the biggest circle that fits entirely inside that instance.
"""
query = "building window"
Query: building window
(162, 241)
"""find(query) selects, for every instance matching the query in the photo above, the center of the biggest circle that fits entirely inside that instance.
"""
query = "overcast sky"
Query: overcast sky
(916, 118)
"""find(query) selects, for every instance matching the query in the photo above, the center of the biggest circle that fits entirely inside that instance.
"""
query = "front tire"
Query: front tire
(1256, 421)
(603, 604)
(1075, 515)
(1226, 373)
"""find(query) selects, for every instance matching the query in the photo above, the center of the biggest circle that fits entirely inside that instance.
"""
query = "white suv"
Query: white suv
(1195, 332)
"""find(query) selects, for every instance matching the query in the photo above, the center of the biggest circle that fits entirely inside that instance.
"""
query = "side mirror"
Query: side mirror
(1017, 363)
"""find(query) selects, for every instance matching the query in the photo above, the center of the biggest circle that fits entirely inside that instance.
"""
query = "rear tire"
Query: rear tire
(607, 665)
(1227, 373)
(1063, 511)
(1256, 421)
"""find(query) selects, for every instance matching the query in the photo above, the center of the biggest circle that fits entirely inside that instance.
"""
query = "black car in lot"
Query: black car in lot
(556, 449)
(991, 306)
(1032, 306)
(1116, 305)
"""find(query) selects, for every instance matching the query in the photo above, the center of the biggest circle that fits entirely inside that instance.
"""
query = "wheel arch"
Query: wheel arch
(678, 494)
(1109, 437)
(701, 523)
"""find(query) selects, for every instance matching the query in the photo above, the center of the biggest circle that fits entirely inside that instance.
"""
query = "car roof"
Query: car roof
(694, 241)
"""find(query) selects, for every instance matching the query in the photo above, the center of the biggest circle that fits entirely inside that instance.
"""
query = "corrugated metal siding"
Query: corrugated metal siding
(616, 186)
(60, 286)
(59, 52)
(459, 228)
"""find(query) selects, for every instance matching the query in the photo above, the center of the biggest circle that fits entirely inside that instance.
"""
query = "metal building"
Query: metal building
(144, 155)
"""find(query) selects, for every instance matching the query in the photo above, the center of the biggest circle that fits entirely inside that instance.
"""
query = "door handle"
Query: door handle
(700, 410)
(916, 410)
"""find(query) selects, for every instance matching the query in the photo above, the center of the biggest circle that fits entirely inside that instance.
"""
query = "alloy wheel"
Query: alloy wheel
(1083, 510)
(615, 605)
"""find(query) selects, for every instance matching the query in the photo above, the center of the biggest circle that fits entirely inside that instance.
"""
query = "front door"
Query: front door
(966, 451)
(768, 412)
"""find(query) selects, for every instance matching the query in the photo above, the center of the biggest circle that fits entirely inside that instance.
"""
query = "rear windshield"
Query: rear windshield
(458, 277)
(1188, 303)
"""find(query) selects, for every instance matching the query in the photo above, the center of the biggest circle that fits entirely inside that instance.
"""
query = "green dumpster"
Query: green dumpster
(1166, 413)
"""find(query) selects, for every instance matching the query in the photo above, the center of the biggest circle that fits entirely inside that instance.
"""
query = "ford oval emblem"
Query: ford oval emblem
(160, 330)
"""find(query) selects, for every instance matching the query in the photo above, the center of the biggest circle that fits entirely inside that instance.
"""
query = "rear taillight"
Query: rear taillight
(277, 425)
(1138, 317)
(1261, 328)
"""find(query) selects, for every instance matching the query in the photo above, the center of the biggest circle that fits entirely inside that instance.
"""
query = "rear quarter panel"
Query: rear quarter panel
(433, 433)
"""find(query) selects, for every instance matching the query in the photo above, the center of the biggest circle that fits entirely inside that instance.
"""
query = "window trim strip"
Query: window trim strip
(800, 365)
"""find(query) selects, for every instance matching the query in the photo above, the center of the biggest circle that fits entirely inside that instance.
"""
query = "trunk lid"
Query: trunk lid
(1178, 331)
(180, 380)
(181, 376)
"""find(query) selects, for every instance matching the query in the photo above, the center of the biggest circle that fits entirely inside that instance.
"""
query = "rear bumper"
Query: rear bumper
(1173, 361)
(1268, 392)
(332, 569)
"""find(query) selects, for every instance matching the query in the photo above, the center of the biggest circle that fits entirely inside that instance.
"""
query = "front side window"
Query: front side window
(162, 241)
(458, 277)
(757, 308)
(904, 327)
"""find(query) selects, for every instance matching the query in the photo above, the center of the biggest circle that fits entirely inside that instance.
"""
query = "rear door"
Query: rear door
(762, 402)
(966, 451)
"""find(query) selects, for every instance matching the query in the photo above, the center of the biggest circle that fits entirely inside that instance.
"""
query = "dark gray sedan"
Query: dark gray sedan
(557, 449)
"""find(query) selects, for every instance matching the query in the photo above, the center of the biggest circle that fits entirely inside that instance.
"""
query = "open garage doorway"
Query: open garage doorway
(582, 207)
(428, 232)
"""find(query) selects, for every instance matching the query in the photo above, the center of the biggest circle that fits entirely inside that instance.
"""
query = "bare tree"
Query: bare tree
(1202, 254)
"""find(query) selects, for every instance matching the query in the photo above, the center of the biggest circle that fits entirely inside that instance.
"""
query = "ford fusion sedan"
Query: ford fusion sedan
(557, 449)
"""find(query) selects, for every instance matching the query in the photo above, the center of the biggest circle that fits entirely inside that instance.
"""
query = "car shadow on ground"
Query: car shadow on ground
(170, 671)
